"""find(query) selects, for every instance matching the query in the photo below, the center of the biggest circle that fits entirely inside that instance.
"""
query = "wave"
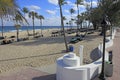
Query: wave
(15, 30)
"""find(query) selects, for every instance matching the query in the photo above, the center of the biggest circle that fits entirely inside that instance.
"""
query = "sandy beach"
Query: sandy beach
(42, 51)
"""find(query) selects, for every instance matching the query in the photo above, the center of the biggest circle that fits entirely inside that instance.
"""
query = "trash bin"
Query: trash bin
(109, 66)
(108, 69)
(71, 48)
(110, 57)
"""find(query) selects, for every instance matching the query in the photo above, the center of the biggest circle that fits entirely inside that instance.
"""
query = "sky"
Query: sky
(50, 10)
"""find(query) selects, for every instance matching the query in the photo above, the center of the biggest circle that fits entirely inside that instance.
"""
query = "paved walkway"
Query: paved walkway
(116, 58)
(35, 74)
(51, 69)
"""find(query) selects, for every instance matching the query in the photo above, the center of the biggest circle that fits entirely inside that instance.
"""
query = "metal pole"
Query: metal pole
(102, 75)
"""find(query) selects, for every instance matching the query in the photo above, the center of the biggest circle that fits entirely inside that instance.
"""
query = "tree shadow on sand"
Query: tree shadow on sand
(91, 37)
(46, 77)
(62, 52)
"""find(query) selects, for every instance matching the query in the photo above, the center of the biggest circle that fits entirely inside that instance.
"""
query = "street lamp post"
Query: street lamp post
(102, 75)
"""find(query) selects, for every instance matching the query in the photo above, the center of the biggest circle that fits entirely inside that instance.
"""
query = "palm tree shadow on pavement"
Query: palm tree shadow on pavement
(94, 55)
(46, 77)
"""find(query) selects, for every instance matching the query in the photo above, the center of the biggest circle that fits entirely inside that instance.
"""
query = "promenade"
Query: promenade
(116, 57)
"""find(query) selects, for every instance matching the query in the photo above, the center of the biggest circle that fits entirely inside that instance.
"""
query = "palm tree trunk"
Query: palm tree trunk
(2, 25)
(27, 28)
(41, 26)
(87, 28)
(17, 34)
(81, 25)
(62, 24)
(33, 27)
(27, 31)
(71, 21)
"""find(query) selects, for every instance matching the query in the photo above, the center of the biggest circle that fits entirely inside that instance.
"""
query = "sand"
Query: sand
(42, 51)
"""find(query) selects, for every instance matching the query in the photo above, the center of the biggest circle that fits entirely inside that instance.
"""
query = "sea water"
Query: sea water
(23, 28)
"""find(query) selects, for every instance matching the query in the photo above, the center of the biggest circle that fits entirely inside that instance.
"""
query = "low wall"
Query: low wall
(84, 72)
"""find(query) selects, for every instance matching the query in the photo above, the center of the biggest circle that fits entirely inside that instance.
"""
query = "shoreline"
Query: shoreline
(30, 28)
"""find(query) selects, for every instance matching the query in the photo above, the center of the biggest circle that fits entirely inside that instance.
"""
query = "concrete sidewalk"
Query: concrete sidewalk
(116, 58)
(51, 69)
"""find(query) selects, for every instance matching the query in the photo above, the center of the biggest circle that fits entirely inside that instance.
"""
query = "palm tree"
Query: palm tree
(71, 12)
(33, 15)
(17, 26)
(18, 19)
(64, 18)
(62, 2)
(25, 11)
(70, 23)
(7, 8)
(78, 2)
(1, 17)
(87, 14)
(41, 18)
(67, 23)
(2, 25)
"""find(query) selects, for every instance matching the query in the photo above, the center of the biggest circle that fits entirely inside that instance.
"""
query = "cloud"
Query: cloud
(81, 7)
(94, 3)
(55, 2)
(52, 21)
(74, 6)
(57, 8)
(53, 12)
(67, 11)
(34, 7)
(69, 2)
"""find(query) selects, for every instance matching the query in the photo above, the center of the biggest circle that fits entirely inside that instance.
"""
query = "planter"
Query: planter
(108, 70)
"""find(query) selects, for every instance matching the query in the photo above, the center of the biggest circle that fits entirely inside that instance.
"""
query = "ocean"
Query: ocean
(23, 28)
